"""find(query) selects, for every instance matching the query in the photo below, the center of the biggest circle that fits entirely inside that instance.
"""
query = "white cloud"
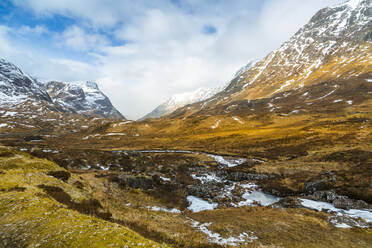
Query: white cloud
(166, 51)
(36, 30)
(78, 39)
(6, 48)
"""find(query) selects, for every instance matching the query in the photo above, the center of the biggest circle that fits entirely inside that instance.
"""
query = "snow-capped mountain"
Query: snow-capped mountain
(21, 93)
(182, 99)
(335, 44)
(17, 87)
(83, 98)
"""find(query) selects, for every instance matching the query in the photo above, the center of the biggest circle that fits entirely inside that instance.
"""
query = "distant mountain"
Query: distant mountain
(334, 45)
(83, 98)
(21, 93)
(180, 100)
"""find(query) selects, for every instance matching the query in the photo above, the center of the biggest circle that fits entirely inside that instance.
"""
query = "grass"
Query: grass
(32, 217)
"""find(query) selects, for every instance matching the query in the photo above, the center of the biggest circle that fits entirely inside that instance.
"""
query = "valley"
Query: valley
(279, 157)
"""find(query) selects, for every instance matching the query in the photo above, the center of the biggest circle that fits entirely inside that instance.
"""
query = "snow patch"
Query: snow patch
(258, 196)
(245, 237)
(216, 124)
(198, 205)
(115, 134)
(353, 213)
(165, 179)
(173, 210)
(228, 162)
(238, 120)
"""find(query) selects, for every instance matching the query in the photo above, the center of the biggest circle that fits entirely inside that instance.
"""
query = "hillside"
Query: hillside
(43, 205)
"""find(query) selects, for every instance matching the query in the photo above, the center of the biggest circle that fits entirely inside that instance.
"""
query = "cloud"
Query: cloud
(162, 47)
(6, 48)
(36, 30)
(78, 39)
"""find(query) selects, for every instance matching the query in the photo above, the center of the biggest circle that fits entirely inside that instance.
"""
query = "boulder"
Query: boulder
(289, 202)
(343, 202)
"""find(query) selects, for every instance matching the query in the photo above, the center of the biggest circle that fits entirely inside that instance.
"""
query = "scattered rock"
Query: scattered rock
(136, 182)
(312, 187)
(206, 190)
(338, 201)
(238, 176)
(343, 202)
(328, 196)
(289, 202)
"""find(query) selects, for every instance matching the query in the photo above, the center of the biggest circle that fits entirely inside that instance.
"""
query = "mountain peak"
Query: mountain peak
(86, 85)
(354, 3)
(82, 98)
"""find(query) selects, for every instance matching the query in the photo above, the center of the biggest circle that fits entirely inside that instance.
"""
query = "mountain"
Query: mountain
(180, 100)
(17, 87)
(83, 98)
(19, 92)
(335, 44)
(183, 99)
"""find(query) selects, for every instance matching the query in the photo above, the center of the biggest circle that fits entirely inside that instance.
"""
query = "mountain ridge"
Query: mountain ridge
(18, 89)
(83, 98)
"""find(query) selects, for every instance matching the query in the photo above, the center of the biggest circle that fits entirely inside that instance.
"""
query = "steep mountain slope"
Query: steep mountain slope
(17, 87)
(23, 96)
(183, 99)
(83, 98)
(334, 45)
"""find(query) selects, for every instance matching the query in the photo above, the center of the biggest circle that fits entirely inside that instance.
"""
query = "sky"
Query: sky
(141, 52)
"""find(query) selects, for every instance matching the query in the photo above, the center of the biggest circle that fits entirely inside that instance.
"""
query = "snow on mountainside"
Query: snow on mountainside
(83, 98)
(180, 100)
(335, 44)
(17, 87)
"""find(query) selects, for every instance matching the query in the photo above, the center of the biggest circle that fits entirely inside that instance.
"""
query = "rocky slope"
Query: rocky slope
(83, 98)
(17, 87)
(335, 44)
